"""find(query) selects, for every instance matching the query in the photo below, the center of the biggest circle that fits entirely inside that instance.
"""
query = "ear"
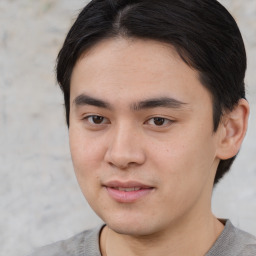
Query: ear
(232, 130)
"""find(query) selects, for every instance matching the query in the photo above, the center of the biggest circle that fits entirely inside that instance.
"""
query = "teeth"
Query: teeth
(128, 189)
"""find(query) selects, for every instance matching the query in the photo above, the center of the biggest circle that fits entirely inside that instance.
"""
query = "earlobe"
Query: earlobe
(232, 130)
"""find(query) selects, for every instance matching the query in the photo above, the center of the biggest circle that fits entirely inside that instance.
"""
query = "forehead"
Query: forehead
(131, 53)
(134, 68)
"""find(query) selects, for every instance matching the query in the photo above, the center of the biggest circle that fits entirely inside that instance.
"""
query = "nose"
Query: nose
(125, 148)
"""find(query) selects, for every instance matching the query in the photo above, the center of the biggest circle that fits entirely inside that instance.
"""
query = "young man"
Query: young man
(156, 110)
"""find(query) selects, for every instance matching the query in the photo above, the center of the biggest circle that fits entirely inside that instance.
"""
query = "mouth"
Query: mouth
(127, 189)
(127, 192)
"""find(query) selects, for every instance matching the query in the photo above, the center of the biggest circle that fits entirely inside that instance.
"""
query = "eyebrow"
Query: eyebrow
(137, 106)
(87, 100)
(158, 102)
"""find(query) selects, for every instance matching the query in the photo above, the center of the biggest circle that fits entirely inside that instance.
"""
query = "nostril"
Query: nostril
(118, 165)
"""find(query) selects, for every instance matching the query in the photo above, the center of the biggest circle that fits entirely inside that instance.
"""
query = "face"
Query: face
(141, 136)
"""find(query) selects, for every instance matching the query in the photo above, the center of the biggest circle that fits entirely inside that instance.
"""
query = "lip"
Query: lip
(116, 190)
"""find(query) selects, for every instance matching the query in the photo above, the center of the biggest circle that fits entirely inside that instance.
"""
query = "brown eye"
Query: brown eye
(94, 119)
(159, 121)
(97, 119)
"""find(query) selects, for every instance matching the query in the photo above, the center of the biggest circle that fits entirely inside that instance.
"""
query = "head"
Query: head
(202, 32)
(154, 96)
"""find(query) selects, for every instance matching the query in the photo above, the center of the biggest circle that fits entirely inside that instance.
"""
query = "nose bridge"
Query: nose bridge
(125, 147)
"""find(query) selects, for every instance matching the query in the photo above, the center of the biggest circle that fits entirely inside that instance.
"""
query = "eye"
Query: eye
(96, 120)
(159, 121)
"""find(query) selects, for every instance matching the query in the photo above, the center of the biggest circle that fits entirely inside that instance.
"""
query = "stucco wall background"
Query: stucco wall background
(40, 201)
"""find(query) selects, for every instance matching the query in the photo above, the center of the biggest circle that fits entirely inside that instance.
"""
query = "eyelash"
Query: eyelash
(163, 121)
(87, 118)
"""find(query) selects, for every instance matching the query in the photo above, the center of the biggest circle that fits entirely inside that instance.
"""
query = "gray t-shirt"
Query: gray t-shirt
(231, 242)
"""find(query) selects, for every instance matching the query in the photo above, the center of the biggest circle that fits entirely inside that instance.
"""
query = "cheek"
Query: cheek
(86, 153)
(185, 157)
(185, 167)
(86, 160)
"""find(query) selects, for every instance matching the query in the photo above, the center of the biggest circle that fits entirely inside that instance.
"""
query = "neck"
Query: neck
(190, 238)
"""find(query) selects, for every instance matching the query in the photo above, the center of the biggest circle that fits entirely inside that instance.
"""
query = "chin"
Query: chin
(131, 227)
(129, 230)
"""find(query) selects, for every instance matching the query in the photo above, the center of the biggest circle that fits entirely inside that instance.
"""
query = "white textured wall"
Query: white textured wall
(40, 201)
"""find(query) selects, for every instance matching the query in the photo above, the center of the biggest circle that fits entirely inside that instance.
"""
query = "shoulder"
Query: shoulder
(233, 242)
(83, 244)
(247, 242)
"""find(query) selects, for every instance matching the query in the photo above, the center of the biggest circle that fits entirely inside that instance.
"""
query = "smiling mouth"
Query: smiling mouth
(128, 193)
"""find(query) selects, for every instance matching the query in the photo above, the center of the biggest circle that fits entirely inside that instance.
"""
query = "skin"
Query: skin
(114, 137)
